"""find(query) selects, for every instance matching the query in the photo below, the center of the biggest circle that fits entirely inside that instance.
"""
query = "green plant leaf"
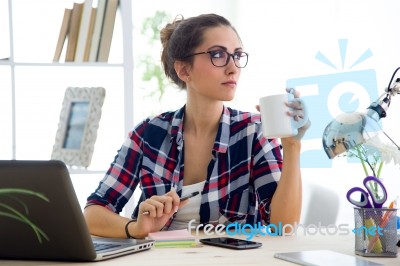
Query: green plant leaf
(151, 28)
(17, 215)
(5, 191)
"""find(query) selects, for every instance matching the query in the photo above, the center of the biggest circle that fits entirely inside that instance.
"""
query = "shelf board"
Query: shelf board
(73, 64)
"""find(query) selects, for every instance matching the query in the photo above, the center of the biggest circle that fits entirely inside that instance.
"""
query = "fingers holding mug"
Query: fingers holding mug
(296, 109)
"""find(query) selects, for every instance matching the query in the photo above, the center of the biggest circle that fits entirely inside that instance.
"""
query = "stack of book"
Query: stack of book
(87, 31)
(173, 239)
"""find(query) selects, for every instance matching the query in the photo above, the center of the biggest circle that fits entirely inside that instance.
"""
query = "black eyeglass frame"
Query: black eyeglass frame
(227, 60)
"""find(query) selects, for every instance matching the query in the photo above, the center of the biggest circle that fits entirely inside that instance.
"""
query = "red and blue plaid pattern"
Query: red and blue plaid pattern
(241, 179)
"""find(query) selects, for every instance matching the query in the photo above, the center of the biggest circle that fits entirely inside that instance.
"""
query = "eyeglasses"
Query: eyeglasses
(220, 58)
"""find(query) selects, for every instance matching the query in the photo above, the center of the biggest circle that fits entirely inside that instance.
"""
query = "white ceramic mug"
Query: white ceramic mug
(276, 123)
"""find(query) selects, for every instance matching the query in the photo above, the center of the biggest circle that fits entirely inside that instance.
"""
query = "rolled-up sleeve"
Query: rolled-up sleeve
(121, 179)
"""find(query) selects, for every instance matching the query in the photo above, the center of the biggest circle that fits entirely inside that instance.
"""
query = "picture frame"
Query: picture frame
(78, 124)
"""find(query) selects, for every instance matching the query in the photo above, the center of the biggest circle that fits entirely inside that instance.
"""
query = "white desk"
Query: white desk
(207, 255)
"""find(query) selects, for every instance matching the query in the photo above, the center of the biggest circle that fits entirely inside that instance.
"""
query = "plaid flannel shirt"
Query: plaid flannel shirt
(241, 179)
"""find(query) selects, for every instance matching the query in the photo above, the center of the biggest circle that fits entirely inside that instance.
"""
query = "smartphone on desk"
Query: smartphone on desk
(229, 242)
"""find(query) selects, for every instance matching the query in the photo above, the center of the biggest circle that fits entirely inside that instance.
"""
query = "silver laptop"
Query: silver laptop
(49, 225)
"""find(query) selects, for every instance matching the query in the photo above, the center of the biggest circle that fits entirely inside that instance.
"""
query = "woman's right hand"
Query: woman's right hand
(155, 212)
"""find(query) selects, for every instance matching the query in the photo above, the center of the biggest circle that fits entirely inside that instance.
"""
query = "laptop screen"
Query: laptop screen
(43, 215)
(40, 215)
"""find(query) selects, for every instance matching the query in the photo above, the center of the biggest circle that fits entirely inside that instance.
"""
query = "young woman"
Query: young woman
(204, 146)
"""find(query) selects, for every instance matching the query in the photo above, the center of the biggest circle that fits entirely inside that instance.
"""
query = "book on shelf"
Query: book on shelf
(173, 239)
(90, 35)
(83, 30)
(73, 31)
(98, 25)
(63, 34)
(107, 30)
(86, 31)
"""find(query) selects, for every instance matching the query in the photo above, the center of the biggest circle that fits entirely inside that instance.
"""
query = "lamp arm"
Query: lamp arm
(377, 109)
(382, 104)
(397, 146)
(395, 88)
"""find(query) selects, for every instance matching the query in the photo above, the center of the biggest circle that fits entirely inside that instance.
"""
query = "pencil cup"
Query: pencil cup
(375, 232)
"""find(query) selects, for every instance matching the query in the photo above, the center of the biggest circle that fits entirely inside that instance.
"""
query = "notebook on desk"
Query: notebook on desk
(49, 225)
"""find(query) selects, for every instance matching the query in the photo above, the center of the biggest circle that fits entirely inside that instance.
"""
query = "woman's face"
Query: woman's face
(207, 80)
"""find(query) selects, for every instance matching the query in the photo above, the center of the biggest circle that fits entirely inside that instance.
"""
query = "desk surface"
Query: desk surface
(209, 255)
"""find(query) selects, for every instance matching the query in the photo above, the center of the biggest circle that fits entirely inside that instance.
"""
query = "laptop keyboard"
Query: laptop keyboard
(103, 246)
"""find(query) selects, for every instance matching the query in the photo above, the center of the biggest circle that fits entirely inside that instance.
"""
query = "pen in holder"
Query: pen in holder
(375, 232)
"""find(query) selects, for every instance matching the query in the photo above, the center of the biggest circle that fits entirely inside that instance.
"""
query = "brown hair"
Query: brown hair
(180, 38)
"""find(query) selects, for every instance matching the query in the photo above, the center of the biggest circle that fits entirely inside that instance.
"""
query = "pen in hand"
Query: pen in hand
(188, 196)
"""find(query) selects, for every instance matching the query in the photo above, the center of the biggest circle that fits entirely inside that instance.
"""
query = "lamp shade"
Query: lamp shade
(347, 131)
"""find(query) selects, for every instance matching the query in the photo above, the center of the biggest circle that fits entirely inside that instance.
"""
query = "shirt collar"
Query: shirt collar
(223, 134)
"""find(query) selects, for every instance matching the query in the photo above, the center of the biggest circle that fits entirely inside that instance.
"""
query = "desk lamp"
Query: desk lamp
(351, 129)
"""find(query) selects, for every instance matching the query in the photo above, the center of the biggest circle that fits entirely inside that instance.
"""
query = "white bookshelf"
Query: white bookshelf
(32, 87)
(35, 86)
